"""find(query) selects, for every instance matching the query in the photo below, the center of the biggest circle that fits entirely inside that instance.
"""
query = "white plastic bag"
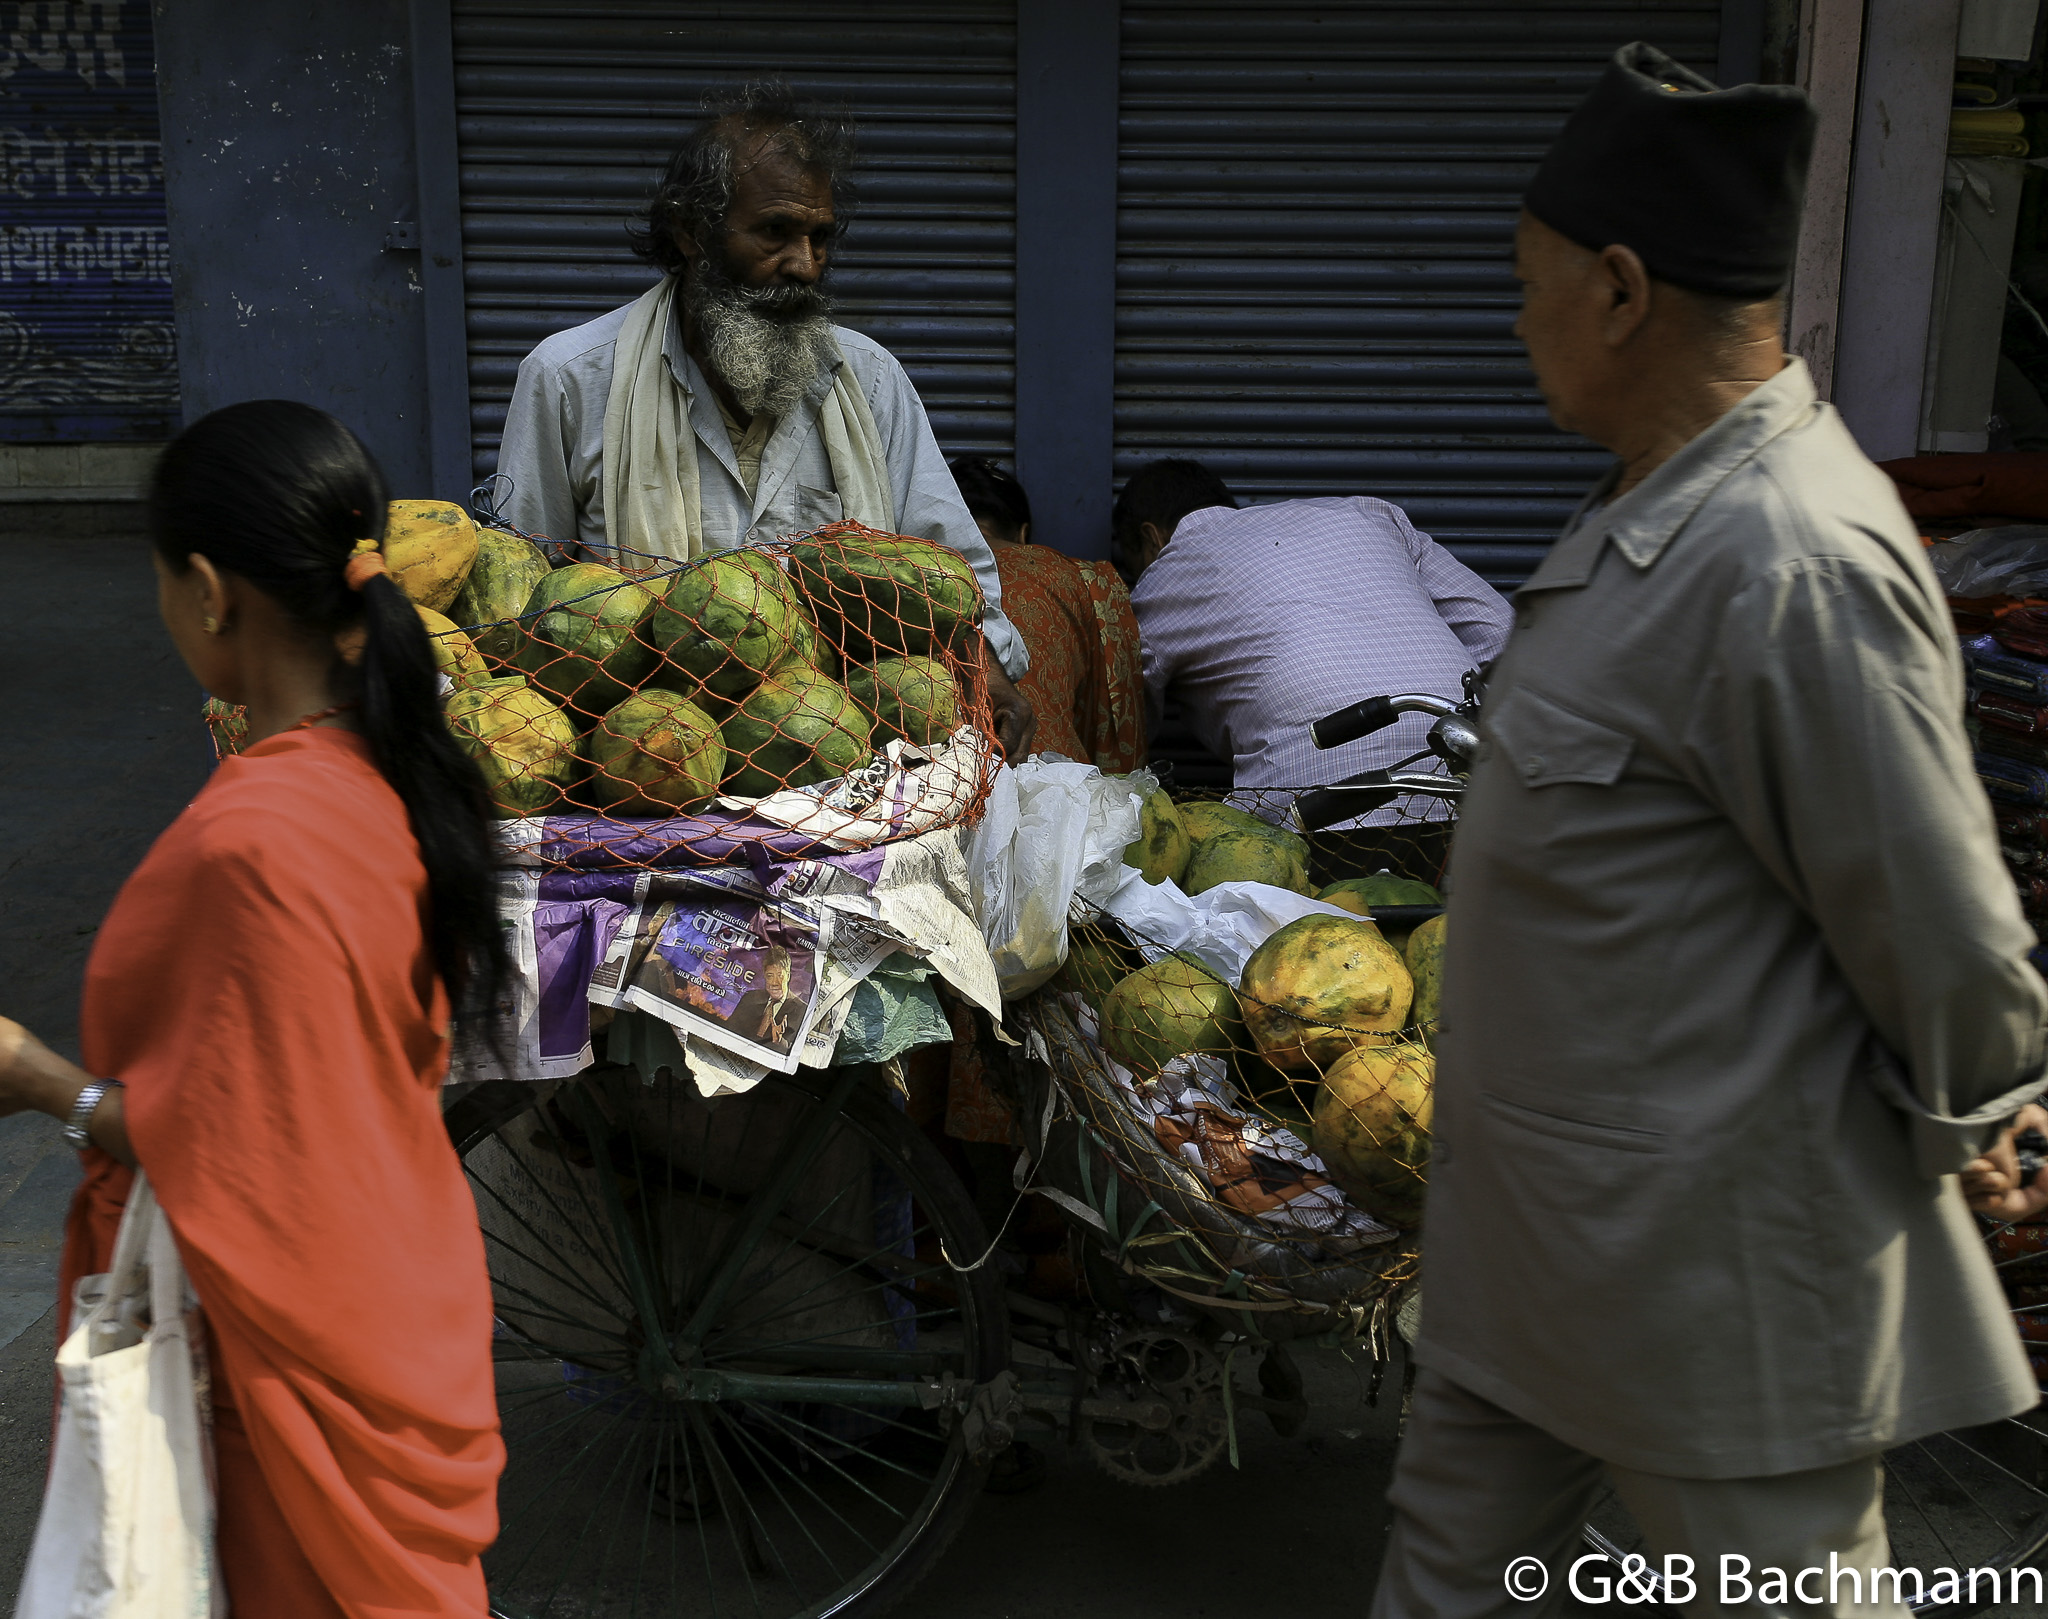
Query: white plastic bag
(1220, 927)
(1051, 830)
(127, 1524)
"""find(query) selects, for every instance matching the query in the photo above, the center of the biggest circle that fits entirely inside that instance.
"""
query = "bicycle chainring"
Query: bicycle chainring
(1154, 1364)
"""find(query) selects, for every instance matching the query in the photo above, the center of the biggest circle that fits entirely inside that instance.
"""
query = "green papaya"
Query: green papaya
(914, 698)
(1382, 888)
(1168, 1009)
(1097, 961)
(1205, 818)
(585, 644)
(796, 728)
(500, 584)
(229, 725)
(1163, 847)
(1246, 857)
(1426, 966)
(729, 621)
(657, 753)
(524, 744)
(884, 595)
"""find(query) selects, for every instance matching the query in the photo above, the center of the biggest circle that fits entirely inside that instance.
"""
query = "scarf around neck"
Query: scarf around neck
(651, 494)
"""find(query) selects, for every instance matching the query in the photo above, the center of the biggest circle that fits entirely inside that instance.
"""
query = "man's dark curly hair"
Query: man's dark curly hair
(696, 193)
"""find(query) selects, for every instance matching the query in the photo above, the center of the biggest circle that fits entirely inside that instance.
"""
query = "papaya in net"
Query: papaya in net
(729, 622)
(1163, 848)
(429, 546)
(796, 728)
(916, 699)
(523, 742)
(500, 583)
(1171, 1008)
(454, 654)
(1372, 1119)
(1320, 986)
(657, 753)
(886, 595)
(583, 644)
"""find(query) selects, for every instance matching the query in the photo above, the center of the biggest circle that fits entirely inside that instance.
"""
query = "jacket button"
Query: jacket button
(1532, 764)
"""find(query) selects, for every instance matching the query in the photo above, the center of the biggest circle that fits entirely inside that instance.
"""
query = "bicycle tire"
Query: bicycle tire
(836, 1458)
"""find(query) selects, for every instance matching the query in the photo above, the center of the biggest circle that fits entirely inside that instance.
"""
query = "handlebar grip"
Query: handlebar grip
(1349, 724)
(1326, 806)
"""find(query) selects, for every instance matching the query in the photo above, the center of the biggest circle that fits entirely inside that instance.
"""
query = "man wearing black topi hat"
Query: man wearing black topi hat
(1737, 982)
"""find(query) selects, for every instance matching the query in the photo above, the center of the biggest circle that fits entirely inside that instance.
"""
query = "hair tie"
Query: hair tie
(364, 564)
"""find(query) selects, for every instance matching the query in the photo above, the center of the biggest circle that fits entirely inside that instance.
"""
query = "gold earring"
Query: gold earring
(210, 624)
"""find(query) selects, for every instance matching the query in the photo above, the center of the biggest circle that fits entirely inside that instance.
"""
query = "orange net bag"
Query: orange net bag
(825, 689)
(1258, 1141)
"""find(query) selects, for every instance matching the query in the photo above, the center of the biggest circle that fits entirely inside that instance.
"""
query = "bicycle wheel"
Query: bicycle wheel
(1975, 1499)
(731, 1367)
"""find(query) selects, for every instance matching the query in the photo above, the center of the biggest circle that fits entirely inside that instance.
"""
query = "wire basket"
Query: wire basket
(824, 688)
(1257, 1146)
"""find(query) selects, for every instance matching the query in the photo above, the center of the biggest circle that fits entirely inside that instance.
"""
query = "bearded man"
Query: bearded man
(722, 407)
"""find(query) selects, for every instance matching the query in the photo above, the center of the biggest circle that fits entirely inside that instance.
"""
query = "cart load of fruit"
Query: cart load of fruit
(661, 689)
(1327, 1031)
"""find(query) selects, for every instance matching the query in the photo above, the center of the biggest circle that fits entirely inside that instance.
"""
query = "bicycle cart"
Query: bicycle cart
(755, 1346)
(753, 1356)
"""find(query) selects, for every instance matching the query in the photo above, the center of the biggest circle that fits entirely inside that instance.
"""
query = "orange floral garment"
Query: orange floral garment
(264, 988)
(1086, 683)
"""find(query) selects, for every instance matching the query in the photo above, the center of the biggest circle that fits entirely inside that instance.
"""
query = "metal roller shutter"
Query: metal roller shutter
(86, 347)
(567, 115)
(1315, 211)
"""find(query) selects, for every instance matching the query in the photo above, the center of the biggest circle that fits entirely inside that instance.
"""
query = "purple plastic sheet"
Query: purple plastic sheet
(594, 843)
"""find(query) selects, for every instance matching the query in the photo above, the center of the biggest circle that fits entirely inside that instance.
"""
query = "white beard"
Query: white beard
(768, 360)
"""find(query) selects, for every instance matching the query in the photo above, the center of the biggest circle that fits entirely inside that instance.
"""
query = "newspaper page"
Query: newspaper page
(718, 955)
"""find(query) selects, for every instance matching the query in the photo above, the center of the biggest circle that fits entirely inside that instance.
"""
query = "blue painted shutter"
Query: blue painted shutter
(1315, 211)
(567, 117)
(86, 348)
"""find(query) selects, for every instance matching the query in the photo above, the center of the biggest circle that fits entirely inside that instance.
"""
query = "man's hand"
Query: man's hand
(1016, 725)
(1992, 1183)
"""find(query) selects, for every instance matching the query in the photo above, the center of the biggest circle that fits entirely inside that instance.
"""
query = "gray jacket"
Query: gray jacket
(1735, 982)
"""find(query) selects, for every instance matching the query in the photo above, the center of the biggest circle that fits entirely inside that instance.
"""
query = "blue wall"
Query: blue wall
(288, 155)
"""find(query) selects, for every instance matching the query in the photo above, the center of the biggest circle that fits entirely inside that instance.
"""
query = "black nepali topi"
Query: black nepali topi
(1704, 183)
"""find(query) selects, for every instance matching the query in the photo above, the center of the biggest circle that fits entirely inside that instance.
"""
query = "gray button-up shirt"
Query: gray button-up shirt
(553, 454)
(1736, 981)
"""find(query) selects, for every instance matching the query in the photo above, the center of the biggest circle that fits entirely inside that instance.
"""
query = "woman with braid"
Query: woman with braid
(265, 1030)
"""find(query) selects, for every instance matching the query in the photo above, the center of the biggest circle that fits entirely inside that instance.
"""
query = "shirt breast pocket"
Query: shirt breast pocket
(817, 507)
(1548, 745)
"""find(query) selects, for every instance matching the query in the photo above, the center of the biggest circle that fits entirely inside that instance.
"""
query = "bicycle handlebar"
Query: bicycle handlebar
(1374, 714)
(1362, 794)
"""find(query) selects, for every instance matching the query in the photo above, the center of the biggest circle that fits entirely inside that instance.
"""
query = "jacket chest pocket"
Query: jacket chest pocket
(1545, 744)
(817, 507)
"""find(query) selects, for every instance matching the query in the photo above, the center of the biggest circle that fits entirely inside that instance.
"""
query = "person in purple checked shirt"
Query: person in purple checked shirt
(1262, 619)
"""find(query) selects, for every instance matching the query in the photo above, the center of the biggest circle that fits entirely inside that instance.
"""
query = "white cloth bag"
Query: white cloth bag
(127, 1524)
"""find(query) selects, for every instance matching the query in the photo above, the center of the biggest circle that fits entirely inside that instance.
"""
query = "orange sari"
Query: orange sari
(264, 988)
(1085, 682)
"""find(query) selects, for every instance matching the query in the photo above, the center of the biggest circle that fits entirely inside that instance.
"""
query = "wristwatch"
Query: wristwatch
(82, 1110)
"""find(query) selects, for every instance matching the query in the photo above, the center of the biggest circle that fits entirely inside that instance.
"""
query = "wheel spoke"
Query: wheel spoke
(761, 1453)
(781, 1213)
